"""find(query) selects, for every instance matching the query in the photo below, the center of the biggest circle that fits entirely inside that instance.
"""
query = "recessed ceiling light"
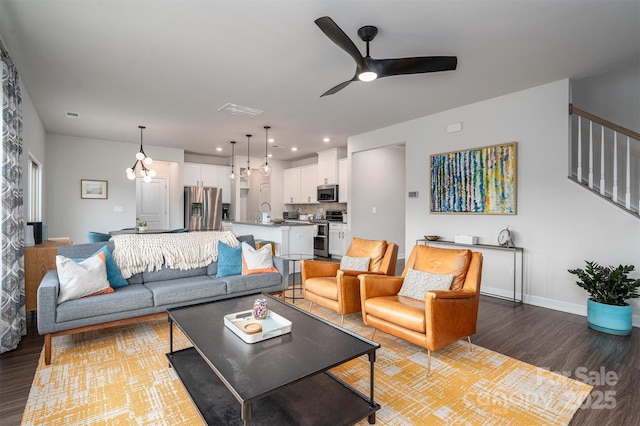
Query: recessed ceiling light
(218, 149)
(294, 149)
(270, 155)
(326, 140)
(271, 140)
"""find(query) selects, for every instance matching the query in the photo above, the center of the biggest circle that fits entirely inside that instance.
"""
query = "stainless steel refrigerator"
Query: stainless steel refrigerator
(202, 208)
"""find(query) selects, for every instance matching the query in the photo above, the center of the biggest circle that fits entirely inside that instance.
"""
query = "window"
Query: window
(34, 189)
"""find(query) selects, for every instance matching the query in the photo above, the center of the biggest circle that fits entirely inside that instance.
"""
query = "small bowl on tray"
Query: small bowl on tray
(432, 237)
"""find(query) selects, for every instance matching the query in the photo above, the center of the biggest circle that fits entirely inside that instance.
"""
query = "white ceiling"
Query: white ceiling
(170, 65)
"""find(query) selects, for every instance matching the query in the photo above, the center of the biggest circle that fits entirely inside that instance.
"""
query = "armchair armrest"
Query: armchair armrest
(372, 285)
(449, 315)
(318, 268)
(352, 273)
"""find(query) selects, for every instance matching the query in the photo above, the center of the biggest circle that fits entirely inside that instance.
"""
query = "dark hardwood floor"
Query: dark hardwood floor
(550, 339)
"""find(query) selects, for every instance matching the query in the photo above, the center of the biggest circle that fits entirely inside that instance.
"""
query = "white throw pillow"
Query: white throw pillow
(355, 263)
(81, 279)
(417, 283)
(257, 261)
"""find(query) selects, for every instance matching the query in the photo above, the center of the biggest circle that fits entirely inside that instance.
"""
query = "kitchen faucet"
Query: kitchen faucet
(263, 205)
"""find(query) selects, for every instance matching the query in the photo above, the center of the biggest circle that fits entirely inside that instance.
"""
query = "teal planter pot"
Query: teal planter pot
(609, 318)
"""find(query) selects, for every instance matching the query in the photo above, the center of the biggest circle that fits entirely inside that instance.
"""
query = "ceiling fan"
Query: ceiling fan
(367, 68)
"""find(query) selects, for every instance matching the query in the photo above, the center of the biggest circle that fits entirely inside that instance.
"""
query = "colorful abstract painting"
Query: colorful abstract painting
(479, 180)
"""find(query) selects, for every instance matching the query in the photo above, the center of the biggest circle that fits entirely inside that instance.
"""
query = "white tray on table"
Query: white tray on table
(272, 326)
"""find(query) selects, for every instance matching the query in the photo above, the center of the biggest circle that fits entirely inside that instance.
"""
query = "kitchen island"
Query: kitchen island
(289, 237)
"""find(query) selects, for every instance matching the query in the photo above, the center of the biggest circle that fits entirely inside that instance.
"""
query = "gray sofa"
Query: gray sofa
(148, 295)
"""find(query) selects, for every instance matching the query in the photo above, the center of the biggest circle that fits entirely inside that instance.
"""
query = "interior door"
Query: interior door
(152, 202)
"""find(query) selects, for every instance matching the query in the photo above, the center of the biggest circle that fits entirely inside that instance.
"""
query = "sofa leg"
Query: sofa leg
(428, 363)
(47, 349)
(470, 347)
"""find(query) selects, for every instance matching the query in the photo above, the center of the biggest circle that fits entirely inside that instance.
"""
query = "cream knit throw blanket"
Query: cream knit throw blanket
(135, 253)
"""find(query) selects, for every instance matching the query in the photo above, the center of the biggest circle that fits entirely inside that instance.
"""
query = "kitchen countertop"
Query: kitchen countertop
(271, 225)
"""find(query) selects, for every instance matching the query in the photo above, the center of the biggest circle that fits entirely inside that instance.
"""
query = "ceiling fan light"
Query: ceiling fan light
(367, 76)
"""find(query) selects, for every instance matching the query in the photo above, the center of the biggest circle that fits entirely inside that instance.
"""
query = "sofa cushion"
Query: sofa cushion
(373, 249)
(190, 289)
(170, 274)
(81, 279)
(257, 282)
(229, 260)
(113, 271)
(443, 261)
(123, 299)
(355, 263)
(417, 283)
(257, 261)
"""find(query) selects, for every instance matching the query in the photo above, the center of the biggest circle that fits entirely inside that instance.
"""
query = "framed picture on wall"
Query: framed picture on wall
(479, 180)
(94, 189)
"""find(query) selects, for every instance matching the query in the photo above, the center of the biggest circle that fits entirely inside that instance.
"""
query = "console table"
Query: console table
(518, 254)
(38, 260)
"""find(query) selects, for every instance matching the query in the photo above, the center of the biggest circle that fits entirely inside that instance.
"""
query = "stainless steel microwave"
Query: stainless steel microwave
(328, 193)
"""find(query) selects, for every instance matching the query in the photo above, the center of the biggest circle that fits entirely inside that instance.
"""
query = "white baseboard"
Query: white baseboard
(543, 302)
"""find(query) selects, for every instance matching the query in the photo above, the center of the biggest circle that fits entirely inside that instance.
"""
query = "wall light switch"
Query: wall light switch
(454, 127)
(118, 209)
(374, 210)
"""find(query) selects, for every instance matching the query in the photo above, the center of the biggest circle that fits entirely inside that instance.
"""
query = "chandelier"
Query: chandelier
(144, 161)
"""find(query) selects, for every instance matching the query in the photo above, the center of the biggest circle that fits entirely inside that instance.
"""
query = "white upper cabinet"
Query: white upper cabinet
(300, 185)
(309, 184)
(343, 180)
(291, 190)
(208, 175)
(328, 165)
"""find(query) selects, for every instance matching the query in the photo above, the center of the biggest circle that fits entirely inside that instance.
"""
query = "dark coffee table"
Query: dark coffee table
(282, 380)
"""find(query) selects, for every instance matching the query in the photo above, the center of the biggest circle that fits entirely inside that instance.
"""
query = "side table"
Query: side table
(38, 260)
(293, 259)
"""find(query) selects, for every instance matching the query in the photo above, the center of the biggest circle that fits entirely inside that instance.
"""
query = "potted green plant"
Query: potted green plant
(609, 289)
(141, 224)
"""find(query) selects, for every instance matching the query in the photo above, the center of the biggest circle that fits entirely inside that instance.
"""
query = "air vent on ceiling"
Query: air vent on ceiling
(72, 114)
(240, 110)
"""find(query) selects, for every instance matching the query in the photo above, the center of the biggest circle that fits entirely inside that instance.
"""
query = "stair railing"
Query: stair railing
(602, 154)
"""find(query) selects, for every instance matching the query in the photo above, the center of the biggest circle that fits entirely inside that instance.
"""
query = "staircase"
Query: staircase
(605, 159)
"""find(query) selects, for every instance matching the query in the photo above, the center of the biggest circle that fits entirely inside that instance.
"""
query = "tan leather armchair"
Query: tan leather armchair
(444, 317)
(325, 284)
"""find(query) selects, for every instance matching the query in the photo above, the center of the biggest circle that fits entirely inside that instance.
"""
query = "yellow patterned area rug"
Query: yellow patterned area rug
(121, 376)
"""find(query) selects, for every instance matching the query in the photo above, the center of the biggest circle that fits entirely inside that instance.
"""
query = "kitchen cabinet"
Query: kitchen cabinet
(291, 185)
(309, 184)
(328, 165)
(343, 180)
(300, 185)
(209, 175)
(339, 239)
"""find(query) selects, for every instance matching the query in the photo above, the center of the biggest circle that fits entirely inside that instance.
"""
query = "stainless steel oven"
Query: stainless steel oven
(321, 239)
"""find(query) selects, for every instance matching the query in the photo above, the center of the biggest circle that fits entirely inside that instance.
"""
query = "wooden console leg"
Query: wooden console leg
(47, 349)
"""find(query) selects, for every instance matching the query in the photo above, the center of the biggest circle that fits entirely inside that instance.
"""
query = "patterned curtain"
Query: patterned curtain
(13, 323)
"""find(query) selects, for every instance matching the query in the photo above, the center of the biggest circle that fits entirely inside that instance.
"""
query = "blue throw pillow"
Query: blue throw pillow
(114, 276)
(229, 260)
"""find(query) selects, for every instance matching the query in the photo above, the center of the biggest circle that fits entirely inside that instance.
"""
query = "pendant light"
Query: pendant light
(247, 172)
(265, 169)
(232, 175)
(144, 161)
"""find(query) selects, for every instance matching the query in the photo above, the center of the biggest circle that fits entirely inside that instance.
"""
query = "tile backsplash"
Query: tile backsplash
(314, 209)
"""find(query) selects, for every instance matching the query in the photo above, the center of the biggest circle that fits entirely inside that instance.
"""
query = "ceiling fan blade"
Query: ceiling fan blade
(337, 88)
(416, 65)
(336, 35)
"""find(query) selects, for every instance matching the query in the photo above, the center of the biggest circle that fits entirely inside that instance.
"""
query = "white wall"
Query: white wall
(382, 171)
(33, 138)
(558, 224)
(70, 159)
(614, 96)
